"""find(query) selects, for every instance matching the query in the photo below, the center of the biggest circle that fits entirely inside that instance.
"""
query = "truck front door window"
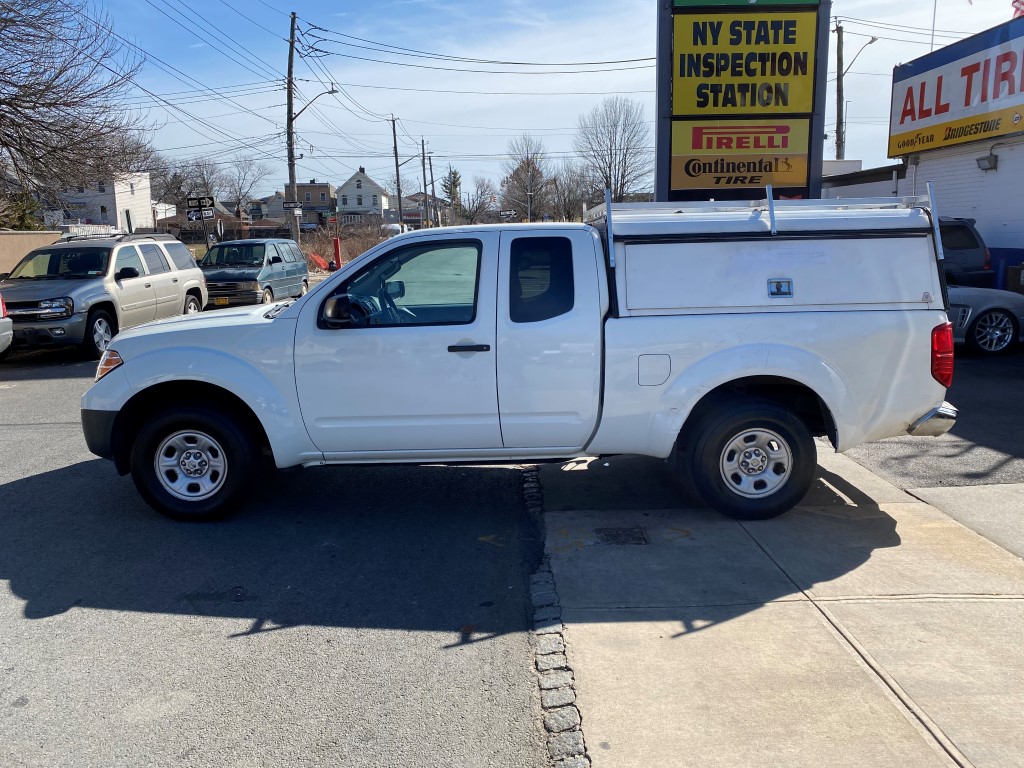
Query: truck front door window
(541, 280)
(430, 284)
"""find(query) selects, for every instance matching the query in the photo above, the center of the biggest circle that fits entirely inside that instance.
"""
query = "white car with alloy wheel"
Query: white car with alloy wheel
(987, 320)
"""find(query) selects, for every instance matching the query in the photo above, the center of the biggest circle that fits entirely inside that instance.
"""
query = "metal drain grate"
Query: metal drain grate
(620, 535)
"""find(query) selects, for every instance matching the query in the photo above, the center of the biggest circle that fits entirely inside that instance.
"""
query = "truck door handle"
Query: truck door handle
(470, 348)
(149, 285)
(174, 279)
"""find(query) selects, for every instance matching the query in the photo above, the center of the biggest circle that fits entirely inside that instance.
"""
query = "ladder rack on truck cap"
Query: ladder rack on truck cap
(757, 218)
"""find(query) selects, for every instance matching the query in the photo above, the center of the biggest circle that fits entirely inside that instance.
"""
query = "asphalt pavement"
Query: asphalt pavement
(345, 616)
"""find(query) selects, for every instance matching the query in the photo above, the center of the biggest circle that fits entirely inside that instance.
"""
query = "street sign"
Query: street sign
(200, 202)
(332, 220)
(508, 213)
(291, 204)
(208, 213)
(193, 214)
(297, 212)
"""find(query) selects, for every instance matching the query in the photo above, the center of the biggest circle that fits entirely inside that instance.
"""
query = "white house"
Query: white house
(361, 195)
(124, 204)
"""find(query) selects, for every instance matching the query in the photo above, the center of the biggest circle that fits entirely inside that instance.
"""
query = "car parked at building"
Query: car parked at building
(967, 260)
(83, 290)
(257, 271)
(987, 320)
(6, 329)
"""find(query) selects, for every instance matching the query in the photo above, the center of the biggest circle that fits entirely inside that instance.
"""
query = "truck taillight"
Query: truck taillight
(942, 354)
(3, 307)
(988, 259)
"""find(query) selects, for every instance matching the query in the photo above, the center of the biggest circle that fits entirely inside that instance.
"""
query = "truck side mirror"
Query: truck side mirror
(396, 289)
(342, 312)
(275, 259)
(125, 273)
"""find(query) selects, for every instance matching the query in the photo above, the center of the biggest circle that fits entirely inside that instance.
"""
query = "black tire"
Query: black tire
(268, 296)
(100, 328)
(215, 445)
(993, 332)
(192, 306)
(5, 354)
(773, 445)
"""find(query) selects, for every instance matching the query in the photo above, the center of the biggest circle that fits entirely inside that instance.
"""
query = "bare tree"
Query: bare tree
(241, 176)
(480, 200)
(526, 176)
(570, 190)
(614, 143)
(64, 77)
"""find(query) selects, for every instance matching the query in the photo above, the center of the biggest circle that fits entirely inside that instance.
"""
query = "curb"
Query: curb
(563, 724)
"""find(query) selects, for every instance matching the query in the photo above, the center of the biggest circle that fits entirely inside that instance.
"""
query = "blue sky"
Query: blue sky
(222, 64)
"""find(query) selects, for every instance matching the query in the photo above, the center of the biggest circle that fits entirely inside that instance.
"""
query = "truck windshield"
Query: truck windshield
(53, 263)
(234, 254)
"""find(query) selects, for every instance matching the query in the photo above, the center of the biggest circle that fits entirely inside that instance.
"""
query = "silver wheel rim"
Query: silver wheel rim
(267, 298)
(102, 333)
(190, 465)
(756, 463)
(994, 331)
(304, 289)
(191, 306)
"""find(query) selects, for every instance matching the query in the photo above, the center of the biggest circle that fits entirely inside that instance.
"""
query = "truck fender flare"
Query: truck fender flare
(750, 361)
(277, 411)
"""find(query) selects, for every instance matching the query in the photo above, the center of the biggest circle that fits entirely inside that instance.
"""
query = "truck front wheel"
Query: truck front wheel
(192, 463)
(752, 460)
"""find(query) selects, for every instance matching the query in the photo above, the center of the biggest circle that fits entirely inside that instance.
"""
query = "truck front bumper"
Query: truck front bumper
(938, 421)
(49, 333)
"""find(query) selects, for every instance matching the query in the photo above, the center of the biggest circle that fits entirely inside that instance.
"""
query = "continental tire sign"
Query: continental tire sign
(972, 90)
(744, 76)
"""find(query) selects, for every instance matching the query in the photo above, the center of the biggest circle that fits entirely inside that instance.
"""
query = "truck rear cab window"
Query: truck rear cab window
(540, 279)
(957, 237)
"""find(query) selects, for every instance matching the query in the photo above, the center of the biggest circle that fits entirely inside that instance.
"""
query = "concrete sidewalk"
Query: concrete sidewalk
(864, 628)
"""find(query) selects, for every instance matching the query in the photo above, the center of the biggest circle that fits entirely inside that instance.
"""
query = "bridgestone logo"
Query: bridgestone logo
(985, 126)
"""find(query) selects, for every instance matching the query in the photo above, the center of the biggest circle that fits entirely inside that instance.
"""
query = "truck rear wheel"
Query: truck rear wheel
(192, 463)
(752, 460)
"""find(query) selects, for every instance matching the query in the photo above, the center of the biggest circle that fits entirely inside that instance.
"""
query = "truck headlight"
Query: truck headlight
(62, 307)
(250, 285)
(108, 362)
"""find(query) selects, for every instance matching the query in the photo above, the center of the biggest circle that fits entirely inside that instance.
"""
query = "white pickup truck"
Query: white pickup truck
(720, 336)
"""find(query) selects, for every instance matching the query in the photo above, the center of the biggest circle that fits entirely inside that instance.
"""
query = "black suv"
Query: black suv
(967, 259)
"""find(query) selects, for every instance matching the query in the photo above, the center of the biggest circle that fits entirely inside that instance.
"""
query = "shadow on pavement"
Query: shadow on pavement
(625, 546)
(413, 548)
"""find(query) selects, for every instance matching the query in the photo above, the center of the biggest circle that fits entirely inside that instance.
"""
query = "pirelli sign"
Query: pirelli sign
(738, 86)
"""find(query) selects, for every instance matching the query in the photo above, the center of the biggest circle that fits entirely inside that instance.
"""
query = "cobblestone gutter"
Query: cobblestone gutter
(562, 721)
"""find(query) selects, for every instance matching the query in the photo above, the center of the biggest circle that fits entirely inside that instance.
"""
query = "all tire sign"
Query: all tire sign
(740, 92)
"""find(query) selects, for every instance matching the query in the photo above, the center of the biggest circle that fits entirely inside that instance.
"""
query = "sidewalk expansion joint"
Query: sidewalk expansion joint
(562, 721)
(928, 728)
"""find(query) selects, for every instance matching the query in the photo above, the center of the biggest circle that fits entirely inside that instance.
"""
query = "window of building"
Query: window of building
(374, 201)
(308, 197)
(359, 183)
(323, 197)
(101, 187)
(131, 188)
(344, 199)
(541, 280)
(81, 189)
(359, 200)
(103, 214)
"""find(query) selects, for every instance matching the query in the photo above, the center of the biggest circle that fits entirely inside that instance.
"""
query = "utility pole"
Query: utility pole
(290, 194)
(840, 104)
(425, 220)
(433, 193)
(398, 178)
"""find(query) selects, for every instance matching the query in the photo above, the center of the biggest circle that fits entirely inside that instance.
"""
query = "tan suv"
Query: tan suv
(82, 290)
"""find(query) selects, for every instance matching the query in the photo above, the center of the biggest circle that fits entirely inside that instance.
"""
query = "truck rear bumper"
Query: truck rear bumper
(938, 421)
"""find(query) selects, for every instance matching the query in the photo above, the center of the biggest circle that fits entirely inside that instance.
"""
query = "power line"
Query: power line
(400, 51)
(494, 93)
